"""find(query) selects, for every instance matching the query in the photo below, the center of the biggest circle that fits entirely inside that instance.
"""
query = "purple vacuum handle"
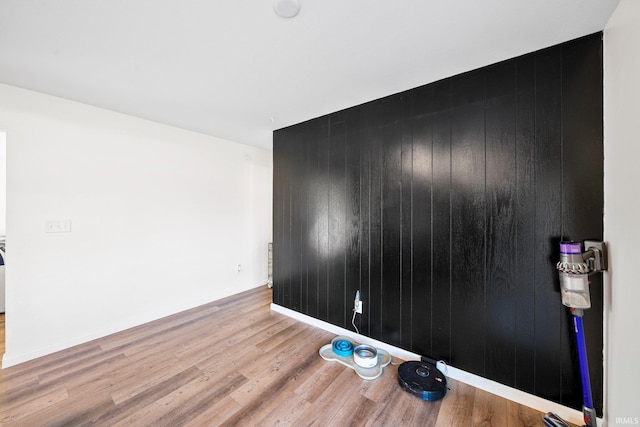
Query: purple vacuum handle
(570, 248)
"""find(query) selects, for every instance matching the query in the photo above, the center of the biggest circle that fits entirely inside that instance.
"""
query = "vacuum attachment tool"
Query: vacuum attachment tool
(552, 420)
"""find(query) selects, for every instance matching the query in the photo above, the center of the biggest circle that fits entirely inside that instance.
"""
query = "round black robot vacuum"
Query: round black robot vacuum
(422, 379)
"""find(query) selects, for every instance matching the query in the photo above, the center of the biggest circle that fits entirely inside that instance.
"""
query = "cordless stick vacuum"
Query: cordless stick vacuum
(574, 268)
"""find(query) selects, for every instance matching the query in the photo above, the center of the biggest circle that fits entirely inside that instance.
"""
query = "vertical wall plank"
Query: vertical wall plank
(524, 362)
(337, 216)
(296, 218)
(441, 224)
(365, 165)
(282, 234)
(375, 115)
(310, 230)
(287, 236)
(468, 221)
(322, 212)
(278, 169)
(391, 132)
(353, 214)
(501, 172)
(550, 318)
(406, 224)
(421, 220)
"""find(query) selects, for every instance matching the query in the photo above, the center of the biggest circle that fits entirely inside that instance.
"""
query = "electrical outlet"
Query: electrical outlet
(358, 306)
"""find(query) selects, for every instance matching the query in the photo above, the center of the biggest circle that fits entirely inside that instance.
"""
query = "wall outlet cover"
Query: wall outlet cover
(358, 307)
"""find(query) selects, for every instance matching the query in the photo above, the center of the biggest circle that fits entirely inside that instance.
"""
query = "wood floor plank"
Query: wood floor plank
(84, 370)
(234, 359)
(457, 406)
(379, 390)
(13, 411)
(312, 388)
(77, 411)
(268, 399)
(209, 318)
(42, 365)
(354, 412)
(302, 345)
(216, 414)
(331, 400)
(20, 391)
(261, 384)
(489, 411)
(404, 409)
(185, 403)
(281, 338)
(146, 376)
(151, 395)
(285, 414)
(230, 362)
(225, 336)
(522, 416)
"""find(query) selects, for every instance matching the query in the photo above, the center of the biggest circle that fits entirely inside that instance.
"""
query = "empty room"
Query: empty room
(297, 212)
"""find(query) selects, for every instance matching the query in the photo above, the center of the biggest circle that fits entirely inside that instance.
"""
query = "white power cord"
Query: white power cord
(442, 363)
(353, 321)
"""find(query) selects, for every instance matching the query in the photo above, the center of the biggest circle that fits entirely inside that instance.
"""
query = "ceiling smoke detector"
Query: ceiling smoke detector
(286, 8)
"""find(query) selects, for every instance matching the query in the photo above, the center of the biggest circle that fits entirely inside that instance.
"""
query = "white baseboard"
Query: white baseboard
(474, 380)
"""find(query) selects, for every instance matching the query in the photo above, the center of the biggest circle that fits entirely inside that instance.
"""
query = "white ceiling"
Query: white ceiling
(235, 70)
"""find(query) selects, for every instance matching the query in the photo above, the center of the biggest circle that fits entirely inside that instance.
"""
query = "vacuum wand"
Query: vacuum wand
(574, 268)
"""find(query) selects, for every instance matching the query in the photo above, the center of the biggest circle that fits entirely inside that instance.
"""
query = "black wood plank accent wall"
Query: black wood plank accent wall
(444, 205)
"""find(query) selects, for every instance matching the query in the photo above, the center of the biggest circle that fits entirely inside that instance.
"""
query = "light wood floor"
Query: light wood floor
(231, 362)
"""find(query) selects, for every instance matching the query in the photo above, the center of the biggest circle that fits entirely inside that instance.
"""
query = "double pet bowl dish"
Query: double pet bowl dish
(366, 360)
(364, 355)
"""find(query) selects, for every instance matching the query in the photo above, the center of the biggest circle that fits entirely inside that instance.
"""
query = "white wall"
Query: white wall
(622, 212)
(3, 187)
(161, 218)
